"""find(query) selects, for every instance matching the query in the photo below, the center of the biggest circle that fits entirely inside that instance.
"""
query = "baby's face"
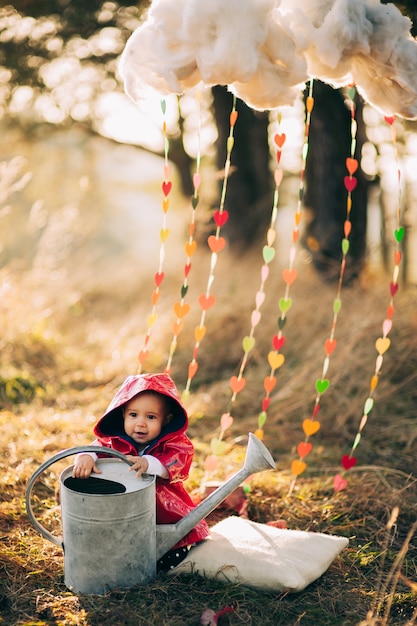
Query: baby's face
(144, 417)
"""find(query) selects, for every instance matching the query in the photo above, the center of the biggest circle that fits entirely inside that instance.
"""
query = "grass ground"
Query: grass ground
(59, 372)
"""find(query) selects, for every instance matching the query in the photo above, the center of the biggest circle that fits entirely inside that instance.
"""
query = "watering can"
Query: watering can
(110, 538)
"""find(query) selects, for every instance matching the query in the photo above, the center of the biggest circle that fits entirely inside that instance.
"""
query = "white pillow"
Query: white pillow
(262, 556)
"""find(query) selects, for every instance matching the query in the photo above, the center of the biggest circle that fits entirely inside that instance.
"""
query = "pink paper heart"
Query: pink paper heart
(339, 483)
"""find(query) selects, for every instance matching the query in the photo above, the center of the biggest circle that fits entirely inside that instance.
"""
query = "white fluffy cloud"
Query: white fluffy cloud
(265, 50)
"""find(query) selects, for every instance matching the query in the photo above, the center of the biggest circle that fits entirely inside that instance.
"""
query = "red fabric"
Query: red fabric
(173, 449)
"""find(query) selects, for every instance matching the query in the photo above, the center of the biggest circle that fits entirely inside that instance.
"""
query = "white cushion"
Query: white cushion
(262, 556)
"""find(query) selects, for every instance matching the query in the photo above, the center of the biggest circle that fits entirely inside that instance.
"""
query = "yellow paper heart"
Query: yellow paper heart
(275, 360)
(382, 344)
(164, 234)
(199, 333)
(152, 319)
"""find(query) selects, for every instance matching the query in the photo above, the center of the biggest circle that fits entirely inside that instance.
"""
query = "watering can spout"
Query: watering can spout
(258, 458)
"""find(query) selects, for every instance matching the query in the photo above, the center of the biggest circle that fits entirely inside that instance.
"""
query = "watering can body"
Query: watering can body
(108, 539)
(110, 536)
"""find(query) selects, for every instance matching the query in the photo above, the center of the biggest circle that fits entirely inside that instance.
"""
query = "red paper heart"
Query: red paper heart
(278, 342)
(166, 187)
(265, 404)
(221, 217)
(390, 119)
(187, 269)
(159, 277)
(393, 287)
(350, 183)
(348, 461)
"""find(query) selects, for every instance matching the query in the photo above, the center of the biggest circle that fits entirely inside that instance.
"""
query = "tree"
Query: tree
(57, 58)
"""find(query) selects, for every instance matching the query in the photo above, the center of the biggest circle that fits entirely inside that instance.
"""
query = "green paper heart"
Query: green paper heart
(163, 106)
(345, 246)
(322, 385)
(351, 91)
(285, 304)
(194, 201)
(369, 404)
(217, 447)
(268, 254)
(261, 419)
(356, 442)
(337, 305)
(184, 290)
(248, 343)
(281, 322)
(399, 234)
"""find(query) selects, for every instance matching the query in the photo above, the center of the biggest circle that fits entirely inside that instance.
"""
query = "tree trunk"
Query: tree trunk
(249, 188)
(326, 196)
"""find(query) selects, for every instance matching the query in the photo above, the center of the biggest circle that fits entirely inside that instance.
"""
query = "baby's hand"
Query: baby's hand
(84, 465)
(139, 464)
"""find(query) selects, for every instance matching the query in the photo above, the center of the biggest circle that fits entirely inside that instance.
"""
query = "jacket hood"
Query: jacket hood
(111, 423)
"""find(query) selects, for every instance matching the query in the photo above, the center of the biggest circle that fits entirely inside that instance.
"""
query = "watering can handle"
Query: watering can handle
(58, 457)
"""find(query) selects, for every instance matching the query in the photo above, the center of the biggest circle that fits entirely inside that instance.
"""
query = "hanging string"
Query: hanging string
(383, 343)
(182, 308)
(312, 425)
(216, 243)
(164, 234)
(237, 383)
(275, 357)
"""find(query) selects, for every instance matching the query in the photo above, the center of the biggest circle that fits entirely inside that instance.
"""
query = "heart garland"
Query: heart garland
(238, 383)
(275, 358)
(216, 243)
(164, 234)
(180, 308)
(383, 343)
(312, 425)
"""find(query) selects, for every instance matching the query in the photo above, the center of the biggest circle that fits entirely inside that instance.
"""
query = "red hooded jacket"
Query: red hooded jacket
(172, 447)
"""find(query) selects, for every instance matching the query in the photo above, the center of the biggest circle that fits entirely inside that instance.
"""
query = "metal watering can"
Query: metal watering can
(110, 538)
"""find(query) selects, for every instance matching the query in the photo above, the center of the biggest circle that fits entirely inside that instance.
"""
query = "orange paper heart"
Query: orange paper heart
(237, 384)
(143, 355)
(298, 467)
(192, 369)
(310, 427)
(216, 244)
(181, 310)
(190, 248)
(269, 383)
(206, 302)
(289, 276)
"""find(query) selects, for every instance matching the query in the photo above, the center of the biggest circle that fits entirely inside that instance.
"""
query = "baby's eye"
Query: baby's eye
(151, 416)
(132, 414)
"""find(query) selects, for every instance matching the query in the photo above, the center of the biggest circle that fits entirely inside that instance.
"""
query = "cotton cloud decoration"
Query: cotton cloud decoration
(265, 50)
